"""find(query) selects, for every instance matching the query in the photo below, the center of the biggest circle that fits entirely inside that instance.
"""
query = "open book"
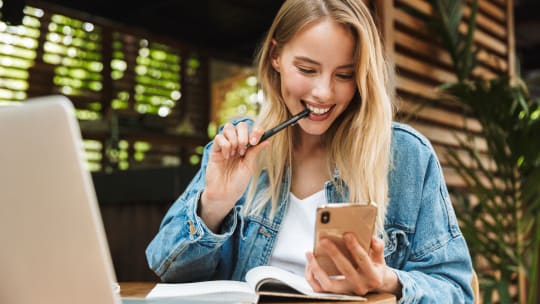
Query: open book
(261, 281)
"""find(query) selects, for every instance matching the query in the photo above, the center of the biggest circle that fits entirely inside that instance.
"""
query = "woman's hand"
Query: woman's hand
(371, 274)
(230, 167)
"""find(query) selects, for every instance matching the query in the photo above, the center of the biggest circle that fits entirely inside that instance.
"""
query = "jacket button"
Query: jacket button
(192, 228)
(264, 232)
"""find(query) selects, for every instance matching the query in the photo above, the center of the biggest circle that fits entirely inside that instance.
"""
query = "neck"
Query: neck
(308, 143)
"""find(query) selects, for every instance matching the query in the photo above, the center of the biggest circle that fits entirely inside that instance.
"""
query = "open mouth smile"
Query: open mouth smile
(317, 110)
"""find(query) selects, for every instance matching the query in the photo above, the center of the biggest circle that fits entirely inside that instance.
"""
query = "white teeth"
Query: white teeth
(318, 111)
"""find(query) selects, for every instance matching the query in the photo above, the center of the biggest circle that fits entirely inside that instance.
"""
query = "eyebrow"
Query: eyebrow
(302, 58)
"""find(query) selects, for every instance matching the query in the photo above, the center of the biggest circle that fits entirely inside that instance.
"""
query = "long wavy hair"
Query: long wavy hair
(358, 142)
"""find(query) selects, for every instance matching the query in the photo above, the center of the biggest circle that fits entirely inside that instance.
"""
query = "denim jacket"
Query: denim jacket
(424, 247)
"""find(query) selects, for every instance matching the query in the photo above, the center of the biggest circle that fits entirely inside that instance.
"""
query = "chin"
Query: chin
(315, 131)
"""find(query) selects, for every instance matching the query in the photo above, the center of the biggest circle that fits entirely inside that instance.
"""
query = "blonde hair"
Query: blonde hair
(358, 143)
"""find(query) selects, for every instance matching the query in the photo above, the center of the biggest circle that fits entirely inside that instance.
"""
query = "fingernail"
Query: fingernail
(242, 152)
(253, 140)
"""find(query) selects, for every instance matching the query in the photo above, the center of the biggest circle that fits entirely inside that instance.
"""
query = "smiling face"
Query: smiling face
(316, 70)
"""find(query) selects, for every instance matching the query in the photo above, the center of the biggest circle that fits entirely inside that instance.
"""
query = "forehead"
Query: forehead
(324, 41)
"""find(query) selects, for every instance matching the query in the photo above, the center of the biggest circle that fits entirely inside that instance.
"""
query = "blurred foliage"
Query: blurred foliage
(242, 100)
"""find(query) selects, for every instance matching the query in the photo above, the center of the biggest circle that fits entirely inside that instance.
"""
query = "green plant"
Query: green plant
(500, 222)
(499, 213)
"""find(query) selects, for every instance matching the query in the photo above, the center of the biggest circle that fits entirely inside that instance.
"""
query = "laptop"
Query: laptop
(53, 244)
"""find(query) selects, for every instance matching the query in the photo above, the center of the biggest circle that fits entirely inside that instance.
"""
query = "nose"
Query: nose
(323, 89)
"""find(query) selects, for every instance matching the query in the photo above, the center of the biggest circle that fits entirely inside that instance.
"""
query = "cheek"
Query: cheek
(345, 93)
(293, 84)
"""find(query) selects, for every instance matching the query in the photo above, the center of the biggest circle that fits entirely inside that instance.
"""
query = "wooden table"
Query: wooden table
(141, 289)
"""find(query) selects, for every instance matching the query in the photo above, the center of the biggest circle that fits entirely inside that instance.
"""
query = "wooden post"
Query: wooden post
(522, 279)
(384, 15)
(511, 39)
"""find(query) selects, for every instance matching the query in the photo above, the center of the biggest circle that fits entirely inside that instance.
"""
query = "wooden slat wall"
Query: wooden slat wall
(192, 109)
(421, 64)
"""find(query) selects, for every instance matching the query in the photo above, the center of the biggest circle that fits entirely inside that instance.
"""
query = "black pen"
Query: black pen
(289, 122)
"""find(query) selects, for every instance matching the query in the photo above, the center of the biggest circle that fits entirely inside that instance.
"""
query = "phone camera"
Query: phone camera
(325, 217)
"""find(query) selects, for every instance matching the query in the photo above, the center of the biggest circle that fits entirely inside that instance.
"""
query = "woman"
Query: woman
(253, 206)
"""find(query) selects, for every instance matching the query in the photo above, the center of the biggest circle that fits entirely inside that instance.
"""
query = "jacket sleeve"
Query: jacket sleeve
(185, 249)
(438, 268)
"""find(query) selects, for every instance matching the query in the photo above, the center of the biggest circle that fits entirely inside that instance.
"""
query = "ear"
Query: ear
(274, 55)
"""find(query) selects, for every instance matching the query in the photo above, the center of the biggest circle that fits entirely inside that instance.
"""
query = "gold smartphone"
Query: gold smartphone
(333, 220)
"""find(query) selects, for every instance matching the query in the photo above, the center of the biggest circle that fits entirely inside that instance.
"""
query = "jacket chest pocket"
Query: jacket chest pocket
(396, 248)
(256, 247)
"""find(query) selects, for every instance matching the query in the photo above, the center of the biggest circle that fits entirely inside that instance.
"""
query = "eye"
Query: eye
(306, 70)
(345, 76)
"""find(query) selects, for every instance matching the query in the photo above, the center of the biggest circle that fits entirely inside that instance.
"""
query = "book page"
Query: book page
(259, 276)
(220, 290)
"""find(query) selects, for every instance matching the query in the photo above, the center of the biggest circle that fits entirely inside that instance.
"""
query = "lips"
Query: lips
(318, 110)
(318, 113)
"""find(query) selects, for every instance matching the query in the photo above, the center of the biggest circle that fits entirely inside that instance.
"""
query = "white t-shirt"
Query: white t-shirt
(297, 232)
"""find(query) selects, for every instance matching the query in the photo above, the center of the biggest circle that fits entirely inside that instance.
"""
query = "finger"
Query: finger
(327, 283)
(365, 270)
(255, 136)
(319, 277)
(377, 250)
(310, 277)
(242, 133)
(222, 146)
(360, 256)
(343, 264)
(229, 132)
(368, 270)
